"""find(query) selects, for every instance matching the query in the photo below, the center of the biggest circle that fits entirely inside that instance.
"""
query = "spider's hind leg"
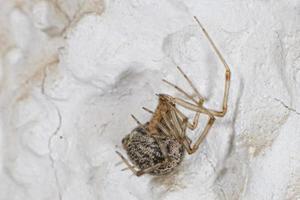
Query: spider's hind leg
(130, 166)
(139, 172)
(227, 72)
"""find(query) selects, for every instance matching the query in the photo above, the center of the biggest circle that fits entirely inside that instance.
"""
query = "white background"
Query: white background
(72, 72)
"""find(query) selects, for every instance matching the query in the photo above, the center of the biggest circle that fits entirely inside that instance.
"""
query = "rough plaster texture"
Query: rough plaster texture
(72, 72)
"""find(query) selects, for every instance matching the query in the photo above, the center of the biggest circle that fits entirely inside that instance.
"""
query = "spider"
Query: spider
(158, 146)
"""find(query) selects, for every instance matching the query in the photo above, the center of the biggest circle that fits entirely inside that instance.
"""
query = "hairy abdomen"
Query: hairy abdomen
(144, 151)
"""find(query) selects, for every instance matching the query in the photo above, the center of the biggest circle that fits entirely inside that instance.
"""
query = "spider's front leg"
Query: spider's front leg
(227, 78)
(227, 73)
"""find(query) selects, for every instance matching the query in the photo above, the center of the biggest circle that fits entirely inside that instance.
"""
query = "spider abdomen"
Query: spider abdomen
(145, 152)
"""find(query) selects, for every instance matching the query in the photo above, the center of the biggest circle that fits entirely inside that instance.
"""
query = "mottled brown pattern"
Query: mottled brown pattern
(144, 151)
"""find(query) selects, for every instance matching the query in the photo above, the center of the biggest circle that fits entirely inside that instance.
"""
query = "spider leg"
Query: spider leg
(163, 129)
(181, 125)
(192, 125)
(227, 73)
(131, 167)
(172, 130)
(191, 84)
(203, 135)
(145, 171)
(136, 120)
(180, 90)
(182, 120)
(148, 110)
(179, 131)
(190, 106)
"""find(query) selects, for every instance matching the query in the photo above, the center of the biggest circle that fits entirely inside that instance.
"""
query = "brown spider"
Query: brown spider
(158, 146)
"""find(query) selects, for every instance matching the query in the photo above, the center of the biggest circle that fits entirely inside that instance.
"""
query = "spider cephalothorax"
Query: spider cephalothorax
(158, 146)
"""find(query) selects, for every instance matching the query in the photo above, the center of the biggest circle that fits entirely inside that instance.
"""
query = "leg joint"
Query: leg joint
(227, 75)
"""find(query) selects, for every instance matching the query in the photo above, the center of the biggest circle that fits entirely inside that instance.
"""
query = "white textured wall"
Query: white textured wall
(72, 72)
